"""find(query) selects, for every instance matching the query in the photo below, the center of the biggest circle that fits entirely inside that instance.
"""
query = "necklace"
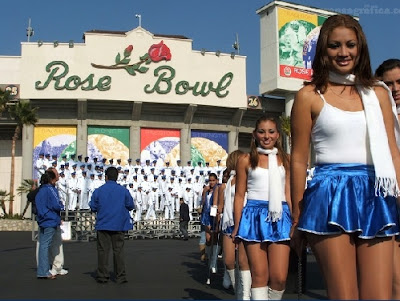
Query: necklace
(341, 96)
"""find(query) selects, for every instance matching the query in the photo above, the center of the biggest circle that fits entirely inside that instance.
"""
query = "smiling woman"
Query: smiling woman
(263, 223)
(348, 212)
(342, 49)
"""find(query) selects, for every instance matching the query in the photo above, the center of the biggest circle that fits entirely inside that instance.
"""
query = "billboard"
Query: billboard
(160, 144)
(207, 146)
(298, 34)
(109, 143)
(53, 140)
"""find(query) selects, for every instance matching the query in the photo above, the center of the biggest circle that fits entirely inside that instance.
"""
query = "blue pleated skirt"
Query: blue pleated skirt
(254, 227)
(341, 198)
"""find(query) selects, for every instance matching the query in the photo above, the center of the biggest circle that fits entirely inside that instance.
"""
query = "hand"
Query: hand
(235, 240)
(297, 240)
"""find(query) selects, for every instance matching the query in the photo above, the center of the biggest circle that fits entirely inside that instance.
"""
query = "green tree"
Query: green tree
(26, 186)
(4, 99)
(23, 114)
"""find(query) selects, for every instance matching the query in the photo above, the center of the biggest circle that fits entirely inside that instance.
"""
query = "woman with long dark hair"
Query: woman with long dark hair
(348, 212)
(264, 223)
(209, 221)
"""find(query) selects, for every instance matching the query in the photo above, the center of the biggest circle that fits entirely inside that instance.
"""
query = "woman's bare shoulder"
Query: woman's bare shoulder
(307, 92)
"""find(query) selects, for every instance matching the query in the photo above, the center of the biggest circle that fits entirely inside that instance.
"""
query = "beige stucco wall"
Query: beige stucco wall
(190, 65)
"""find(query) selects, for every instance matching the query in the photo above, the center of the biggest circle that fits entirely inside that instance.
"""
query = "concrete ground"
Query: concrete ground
(156, 269)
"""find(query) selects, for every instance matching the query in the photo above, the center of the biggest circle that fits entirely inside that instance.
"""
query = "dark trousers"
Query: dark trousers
(183, 226)
(106, 240)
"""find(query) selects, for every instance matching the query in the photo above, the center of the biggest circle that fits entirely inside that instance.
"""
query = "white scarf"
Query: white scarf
(227, 220)
(274, 185)
(385, 174)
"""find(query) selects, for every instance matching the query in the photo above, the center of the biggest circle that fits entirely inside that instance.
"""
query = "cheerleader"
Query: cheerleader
(226, 196)
(264, 223)
(210, 192)
(348, 212)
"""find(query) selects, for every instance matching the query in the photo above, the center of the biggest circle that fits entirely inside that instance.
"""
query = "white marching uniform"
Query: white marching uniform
(72, 193)
(40, 167)
(188, 198)
(83, 196)
(62, 188)
(138, 205)
(151, 214)
(169, 201)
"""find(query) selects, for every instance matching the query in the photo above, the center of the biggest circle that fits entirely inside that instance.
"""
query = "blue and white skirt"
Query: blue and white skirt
(254, 227)
(341, 198)
(207, 219)
(228, 230)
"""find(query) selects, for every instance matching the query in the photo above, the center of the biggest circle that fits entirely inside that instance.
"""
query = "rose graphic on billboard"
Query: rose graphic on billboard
(156, 53)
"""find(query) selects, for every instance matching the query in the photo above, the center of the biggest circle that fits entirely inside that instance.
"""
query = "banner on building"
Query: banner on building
(209, 147)
(298, 36)
(160, 144)
(53, 140)
(108, 143)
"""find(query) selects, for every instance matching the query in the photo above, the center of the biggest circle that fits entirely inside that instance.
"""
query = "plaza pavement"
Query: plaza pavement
(156, 269)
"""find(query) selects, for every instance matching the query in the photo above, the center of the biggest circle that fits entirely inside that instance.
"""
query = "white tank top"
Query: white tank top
(257, 183)
(340, 136)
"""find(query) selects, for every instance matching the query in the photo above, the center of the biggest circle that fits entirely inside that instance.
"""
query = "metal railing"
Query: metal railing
(83, 226)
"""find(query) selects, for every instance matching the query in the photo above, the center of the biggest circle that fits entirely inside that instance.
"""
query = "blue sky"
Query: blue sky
(211, 24)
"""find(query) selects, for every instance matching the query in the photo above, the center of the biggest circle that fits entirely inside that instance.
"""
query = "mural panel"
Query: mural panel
(109, 143)
(160, 145)
(53, 140)
(209, 147)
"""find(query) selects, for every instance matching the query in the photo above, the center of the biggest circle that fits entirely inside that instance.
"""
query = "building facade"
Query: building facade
(128, 95)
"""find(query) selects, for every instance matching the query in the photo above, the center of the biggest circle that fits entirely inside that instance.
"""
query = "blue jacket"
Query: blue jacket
(112, 203)
(48, 206)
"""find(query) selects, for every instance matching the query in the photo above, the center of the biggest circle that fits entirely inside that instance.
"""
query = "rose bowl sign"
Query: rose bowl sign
(164, 84)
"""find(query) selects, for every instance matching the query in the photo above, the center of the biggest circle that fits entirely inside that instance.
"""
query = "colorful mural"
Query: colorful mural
(160, 144)
(53, 140)
(209, 147)
(298, 36)
(109, 143)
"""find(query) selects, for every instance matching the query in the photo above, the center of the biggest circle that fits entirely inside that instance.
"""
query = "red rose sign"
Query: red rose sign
(159, 52)
(156, 53)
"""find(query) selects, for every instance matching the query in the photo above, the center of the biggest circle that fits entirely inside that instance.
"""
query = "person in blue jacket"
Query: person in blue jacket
(112, 203)
(48, 206)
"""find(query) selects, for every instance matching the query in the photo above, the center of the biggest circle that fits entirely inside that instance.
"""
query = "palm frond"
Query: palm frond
(26, 186)
(285, 125)
(23, 113)
(3, 194)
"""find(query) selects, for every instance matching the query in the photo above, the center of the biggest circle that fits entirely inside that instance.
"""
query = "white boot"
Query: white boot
(246, 284)
(274, 294)
(231, 275)
(226, 282)
(259, 293)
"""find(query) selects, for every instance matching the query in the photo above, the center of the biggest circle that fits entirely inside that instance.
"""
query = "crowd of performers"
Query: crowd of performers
(156, 190)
